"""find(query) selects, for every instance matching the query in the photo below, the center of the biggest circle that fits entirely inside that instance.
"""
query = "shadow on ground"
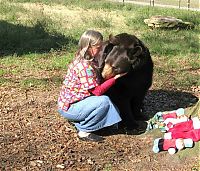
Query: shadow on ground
(155, 101)
(167, 100)
(19, 40)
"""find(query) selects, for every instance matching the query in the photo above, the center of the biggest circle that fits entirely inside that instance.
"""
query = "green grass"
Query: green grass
(43, 39)
(183, 3)
(102, 22)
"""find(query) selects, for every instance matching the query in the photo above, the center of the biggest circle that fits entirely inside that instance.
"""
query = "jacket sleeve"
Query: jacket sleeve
(102, 88)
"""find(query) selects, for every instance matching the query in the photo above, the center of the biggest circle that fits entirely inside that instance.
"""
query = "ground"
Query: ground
(35, 137)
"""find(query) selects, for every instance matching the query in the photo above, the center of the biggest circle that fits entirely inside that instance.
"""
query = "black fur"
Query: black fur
(126, 53)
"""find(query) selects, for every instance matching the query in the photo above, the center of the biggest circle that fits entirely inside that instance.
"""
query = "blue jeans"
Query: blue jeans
(92, 113)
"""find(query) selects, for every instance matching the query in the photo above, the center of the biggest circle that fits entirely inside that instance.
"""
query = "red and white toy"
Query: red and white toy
(188, 129)
(181, 131)
(171, 145)
(174, 117)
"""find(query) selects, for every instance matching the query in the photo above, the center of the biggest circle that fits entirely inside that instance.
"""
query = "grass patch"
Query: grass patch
(43, 37)
(172, 42)
(41, 82)
(183, 3)
(21, 39)
(34, 82)
(102, 22)
(58, 61)
(10, 12)
(2, 72)
(186, 79)
(5, 81)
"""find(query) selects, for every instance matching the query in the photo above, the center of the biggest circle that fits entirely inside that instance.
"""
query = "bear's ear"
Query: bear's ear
(113, 40)
(108, 48)
(134, 52)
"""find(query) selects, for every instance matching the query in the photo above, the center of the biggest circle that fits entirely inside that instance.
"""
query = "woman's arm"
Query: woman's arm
(102, 88)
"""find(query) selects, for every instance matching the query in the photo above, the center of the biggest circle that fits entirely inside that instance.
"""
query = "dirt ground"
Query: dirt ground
(35, 137)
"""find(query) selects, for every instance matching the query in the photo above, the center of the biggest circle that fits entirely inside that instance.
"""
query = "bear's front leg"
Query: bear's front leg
(128, 119)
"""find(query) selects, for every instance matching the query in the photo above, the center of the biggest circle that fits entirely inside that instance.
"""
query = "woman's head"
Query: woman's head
(90, 44)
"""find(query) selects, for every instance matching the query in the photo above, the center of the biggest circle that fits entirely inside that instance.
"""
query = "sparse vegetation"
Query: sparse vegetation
(39, 29)
(38, 39)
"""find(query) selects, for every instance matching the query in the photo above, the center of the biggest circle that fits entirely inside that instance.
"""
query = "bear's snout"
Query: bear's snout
(107, 72)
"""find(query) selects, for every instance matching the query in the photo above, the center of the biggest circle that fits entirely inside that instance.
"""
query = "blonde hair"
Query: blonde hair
(89, 38)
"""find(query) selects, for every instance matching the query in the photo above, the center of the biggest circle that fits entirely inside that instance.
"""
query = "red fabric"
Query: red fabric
(169, 115)
(169, 144)
(169, 125)
(194, 134)
(101, 89)
(182, 126)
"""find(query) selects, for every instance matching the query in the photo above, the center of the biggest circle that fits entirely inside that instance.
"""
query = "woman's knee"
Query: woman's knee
(104, 100)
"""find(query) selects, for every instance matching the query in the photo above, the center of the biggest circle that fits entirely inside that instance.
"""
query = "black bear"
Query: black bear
(126, 53)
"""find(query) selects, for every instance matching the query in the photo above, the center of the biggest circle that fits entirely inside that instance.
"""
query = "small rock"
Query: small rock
(24, 169)
(39, 161)
(90, 161)
(60, 166)
(32, 163)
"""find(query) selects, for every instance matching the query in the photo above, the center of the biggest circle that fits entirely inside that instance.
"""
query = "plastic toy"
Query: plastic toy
(193, 134)
(193, 123)
(171, 145)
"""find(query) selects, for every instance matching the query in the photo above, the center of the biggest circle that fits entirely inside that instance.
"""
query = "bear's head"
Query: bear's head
(123, 53)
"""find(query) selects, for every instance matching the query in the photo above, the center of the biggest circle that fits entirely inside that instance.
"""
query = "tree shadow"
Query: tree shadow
(155, 101)
(167, 100)
(20, 40)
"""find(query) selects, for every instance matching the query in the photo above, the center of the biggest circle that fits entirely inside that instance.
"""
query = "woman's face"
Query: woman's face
(94, 50)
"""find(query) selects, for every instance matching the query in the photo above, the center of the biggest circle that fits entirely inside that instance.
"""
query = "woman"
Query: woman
(81, 99)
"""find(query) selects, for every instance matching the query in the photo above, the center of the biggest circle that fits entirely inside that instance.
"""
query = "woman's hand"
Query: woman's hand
(119, 75)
